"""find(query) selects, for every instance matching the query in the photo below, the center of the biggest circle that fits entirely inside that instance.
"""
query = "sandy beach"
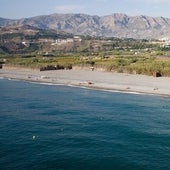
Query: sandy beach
(93, 79)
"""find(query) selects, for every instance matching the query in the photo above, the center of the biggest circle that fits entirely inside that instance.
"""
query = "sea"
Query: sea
(45, 126)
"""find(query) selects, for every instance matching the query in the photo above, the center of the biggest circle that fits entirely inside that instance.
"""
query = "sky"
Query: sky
(17, 9)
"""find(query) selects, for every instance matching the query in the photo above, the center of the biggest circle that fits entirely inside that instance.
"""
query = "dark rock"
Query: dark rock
(157, 74)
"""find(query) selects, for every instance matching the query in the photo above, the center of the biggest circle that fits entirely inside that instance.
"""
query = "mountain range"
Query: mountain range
(115, 25)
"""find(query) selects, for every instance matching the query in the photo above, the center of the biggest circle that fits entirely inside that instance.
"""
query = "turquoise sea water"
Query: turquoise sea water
(59, 127)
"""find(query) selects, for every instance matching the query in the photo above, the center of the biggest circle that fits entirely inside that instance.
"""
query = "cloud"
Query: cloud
(158, 1)
(69, 8)
(101, 0)
(152, 1)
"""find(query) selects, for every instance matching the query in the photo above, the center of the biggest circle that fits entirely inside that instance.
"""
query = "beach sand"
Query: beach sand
(93, 79)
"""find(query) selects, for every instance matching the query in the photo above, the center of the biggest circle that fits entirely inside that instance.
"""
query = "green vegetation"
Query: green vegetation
(39, 49)
(116, 63)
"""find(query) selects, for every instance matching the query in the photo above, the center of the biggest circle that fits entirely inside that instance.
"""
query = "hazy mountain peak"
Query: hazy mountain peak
(116, 25)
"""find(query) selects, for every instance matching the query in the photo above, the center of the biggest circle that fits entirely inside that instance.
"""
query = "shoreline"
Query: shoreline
(107, 81)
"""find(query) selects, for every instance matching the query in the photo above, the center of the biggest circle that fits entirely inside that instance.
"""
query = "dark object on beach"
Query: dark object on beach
(51, 67)
(89, 82)
(157, 74)
(0, 66)
(92, 68)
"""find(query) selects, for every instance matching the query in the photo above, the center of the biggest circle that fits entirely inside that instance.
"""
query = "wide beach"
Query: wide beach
(93, 79)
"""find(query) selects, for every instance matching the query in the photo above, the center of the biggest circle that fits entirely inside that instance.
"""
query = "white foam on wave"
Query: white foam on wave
(86, 87)
(47, 83)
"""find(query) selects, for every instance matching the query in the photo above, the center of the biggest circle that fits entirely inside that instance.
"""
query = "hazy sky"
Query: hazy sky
(16, 9)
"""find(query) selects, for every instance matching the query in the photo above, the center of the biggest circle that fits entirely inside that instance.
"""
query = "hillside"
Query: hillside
(115, 25)
(27, 39)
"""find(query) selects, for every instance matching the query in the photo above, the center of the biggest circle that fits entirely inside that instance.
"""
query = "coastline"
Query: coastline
(120, 82)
